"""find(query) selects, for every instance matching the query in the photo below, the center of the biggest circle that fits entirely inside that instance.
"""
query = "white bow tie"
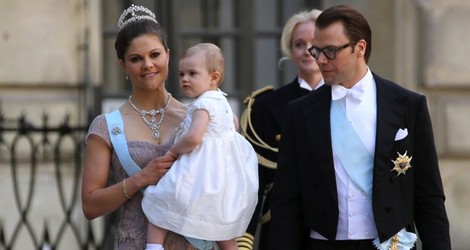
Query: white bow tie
(339, 92)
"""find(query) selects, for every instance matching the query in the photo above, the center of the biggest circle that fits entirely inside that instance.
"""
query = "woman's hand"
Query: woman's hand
(154, 170)
(99, 199)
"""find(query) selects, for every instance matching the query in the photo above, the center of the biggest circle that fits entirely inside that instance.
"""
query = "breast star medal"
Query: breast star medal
(402, 163)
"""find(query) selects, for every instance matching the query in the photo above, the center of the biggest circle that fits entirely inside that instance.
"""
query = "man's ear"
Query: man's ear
(362, 45)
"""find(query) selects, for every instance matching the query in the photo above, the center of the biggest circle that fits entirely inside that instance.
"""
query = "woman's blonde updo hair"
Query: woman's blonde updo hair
(289, 27)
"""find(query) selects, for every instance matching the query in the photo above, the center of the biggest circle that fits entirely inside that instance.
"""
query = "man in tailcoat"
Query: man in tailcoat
(357, 164)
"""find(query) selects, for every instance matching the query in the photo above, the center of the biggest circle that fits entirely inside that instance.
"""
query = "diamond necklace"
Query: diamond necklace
(153, 124)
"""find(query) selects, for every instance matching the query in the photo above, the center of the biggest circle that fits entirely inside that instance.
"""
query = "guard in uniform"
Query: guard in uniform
(261, 124)
(263, 118)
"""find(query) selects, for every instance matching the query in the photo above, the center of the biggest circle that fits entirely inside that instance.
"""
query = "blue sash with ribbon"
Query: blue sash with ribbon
(359, 163)
(119, 142)
(350, 150)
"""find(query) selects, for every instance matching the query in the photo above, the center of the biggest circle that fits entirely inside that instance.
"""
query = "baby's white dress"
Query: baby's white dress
(211, 192)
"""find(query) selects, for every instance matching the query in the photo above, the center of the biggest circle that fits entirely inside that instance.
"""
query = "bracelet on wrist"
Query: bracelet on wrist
(173, 154)
(124, 189)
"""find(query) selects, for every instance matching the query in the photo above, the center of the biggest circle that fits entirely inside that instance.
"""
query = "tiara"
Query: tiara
(144, 14)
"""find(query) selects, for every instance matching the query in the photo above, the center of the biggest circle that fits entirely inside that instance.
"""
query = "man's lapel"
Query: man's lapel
(390, 117)
(316, 116)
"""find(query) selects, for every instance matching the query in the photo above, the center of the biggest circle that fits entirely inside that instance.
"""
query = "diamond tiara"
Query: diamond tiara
(136, 13)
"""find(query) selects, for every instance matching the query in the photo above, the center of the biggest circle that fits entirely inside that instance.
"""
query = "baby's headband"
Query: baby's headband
(135, 13)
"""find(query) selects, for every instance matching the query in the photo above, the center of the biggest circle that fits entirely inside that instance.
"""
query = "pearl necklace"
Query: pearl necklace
(153, 124)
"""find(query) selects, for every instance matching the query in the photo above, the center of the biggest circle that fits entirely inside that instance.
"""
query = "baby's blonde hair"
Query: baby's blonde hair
(213, 55)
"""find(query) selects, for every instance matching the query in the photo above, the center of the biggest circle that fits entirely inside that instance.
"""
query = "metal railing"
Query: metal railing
(40, 171)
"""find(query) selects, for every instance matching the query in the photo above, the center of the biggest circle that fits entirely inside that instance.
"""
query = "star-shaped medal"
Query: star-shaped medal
(402, 163)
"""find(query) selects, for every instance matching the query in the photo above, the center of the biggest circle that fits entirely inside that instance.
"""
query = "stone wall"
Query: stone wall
(50, 53)
(49, 56)
(445, 77)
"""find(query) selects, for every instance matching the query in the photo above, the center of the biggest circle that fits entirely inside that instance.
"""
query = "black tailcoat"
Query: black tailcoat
(305, 194)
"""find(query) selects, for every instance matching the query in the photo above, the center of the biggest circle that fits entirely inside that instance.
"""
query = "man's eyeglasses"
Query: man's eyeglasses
(329, 52)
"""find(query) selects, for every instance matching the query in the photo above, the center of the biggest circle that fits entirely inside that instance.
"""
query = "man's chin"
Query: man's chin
(329, 82)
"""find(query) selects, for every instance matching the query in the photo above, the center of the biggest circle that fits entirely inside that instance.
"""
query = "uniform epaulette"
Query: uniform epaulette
(257, 93)
(245, 125)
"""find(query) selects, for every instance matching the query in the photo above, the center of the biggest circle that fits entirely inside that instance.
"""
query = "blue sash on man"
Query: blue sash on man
(358, 163)
(350, 150)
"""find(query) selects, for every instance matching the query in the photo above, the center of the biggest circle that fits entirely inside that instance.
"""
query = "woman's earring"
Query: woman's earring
(127, 76)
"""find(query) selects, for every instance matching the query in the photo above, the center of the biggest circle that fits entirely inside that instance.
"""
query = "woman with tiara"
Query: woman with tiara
(130, 142)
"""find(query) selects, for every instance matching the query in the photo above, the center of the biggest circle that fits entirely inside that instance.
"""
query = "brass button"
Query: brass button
(278, 137)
